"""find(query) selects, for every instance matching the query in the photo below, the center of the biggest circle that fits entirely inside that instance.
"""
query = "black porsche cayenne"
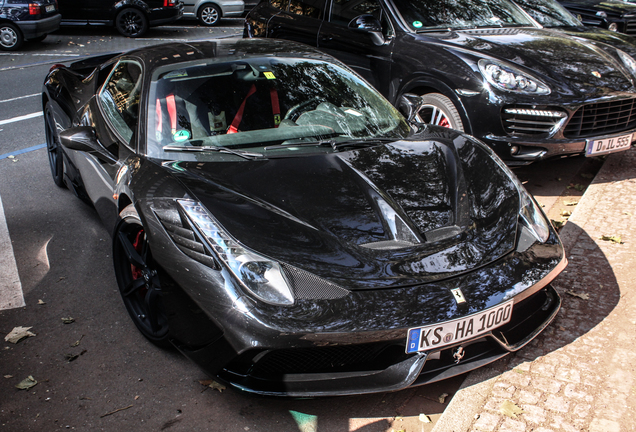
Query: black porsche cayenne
(486, 68)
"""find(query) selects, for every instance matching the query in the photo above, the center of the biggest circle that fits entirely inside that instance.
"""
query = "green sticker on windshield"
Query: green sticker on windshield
(181, 135)
(417, 24)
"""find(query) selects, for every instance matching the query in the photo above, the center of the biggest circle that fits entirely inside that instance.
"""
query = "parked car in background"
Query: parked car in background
(481, 67)
(277, 220)
(550, 14)
(209, 12)
(130, 18)
(21, 20)
(613, 15)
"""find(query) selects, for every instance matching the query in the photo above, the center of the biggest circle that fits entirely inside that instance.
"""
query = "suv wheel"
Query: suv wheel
(10, 37)
(131, 22)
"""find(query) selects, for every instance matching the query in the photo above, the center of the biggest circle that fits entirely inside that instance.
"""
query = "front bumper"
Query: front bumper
(317, 355)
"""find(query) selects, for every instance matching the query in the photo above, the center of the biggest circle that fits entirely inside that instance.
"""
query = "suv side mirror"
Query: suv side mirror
(368, 24)
(409, 105)
(83, 138)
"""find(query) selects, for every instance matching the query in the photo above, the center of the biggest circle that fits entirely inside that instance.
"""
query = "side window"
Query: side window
(309, 8)
(343, 11)
(119, 97)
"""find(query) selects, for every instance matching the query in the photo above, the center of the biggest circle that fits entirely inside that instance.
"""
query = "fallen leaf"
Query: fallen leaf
(510, 409)
(26, 383)
(556, 223)
(41, 302)
(578, 187)
(18, 333)
(68, 320)
(213, 385)
(424, 418)
(136, 397)
(77, 342)
(571, 203)
(566, 213)
(582, 296)
(442, 397)
(612, 238)
(8, 376)
(11, 156)
(71, 357)
(587, 176)
(627, 213)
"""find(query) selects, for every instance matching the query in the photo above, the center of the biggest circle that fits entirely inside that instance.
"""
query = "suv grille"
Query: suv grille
(525, 120)
(630, 27)
(602, 118)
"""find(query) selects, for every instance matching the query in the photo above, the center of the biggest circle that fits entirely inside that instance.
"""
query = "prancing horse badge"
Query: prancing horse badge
(458, 295)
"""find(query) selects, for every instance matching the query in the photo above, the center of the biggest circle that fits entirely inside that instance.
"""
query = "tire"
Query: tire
(138, 279)
(53, 147)
(209, 15)
(131, 22)
(11, 38)
(38, 39)
(439, 110)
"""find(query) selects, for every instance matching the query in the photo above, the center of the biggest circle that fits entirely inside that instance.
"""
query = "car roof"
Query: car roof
(234, 48)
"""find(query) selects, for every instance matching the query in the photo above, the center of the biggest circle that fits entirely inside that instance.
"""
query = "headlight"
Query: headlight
(508, 78)
(533, 217)
(259, 275)
(628, 61)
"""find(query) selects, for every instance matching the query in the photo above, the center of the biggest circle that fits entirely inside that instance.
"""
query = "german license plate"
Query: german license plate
(50, 8)
(608, 145)
(451, 332)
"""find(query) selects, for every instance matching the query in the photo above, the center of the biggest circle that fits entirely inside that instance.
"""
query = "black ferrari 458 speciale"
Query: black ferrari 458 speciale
(280, 223)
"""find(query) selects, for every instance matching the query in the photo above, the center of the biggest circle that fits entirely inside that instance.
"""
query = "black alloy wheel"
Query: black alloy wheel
(138, 279)
(437, 109)
(209, 15)
(53, 147)
(131, 22)
(11, 38)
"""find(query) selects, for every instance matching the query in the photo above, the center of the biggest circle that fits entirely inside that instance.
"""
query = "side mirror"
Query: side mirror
(409, 105)
(83, 138)
(368, 24)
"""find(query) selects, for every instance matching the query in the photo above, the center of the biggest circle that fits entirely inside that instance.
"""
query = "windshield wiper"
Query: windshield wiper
(219, 149)
(435, 30)
(336, 144)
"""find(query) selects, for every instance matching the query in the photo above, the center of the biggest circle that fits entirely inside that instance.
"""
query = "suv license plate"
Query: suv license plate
(451, 332)
(50, 8)
(608, 145)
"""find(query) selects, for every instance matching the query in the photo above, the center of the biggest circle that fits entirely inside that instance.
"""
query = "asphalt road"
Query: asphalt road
(98, 372)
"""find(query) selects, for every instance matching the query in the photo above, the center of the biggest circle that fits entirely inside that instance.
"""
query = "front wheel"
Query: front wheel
(131, 22)
(209, 15)
(138, 278)
(437, 109)
(11, 38)
(53, 147)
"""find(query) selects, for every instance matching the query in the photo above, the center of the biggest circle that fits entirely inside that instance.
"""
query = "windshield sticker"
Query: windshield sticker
(269, 75)
(181, 135)
(417, 24)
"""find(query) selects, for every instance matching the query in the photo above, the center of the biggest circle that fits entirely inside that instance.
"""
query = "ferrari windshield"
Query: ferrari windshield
(266, 105)
(426, 15)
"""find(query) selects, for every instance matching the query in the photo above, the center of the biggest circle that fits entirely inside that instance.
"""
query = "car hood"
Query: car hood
(569, 65)
(604, 39)
(393, 215)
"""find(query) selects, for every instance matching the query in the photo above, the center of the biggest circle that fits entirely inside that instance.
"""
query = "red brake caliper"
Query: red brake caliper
(136, 272)
(444, 123)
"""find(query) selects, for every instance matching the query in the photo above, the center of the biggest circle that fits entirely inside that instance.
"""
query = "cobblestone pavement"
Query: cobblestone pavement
(579, 375)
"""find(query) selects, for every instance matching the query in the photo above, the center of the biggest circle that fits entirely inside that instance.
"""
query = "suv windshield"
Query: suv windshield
(426, 15)
(548, 13)
(270, 105)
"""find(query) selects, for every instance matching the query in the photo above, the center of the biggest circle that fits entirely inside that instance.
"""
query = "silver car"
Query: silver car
(209, 12)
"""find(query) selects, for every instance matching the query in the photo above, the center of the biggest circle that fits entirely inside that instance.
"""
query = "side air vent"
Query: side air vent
(311, 287)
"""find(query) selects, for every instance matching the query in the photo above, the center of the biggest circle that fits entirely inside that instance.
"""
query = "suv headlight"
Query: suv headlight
(259, 275)
(628, 61)
(508, 78)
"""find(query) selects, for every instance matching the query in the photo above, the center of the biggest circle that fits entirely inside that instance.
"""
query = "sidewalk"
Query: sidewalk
(579, 374)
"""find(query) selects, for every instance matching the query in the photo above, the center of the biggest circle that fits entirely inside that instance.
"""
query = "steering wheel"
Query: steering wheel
(294, 112)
